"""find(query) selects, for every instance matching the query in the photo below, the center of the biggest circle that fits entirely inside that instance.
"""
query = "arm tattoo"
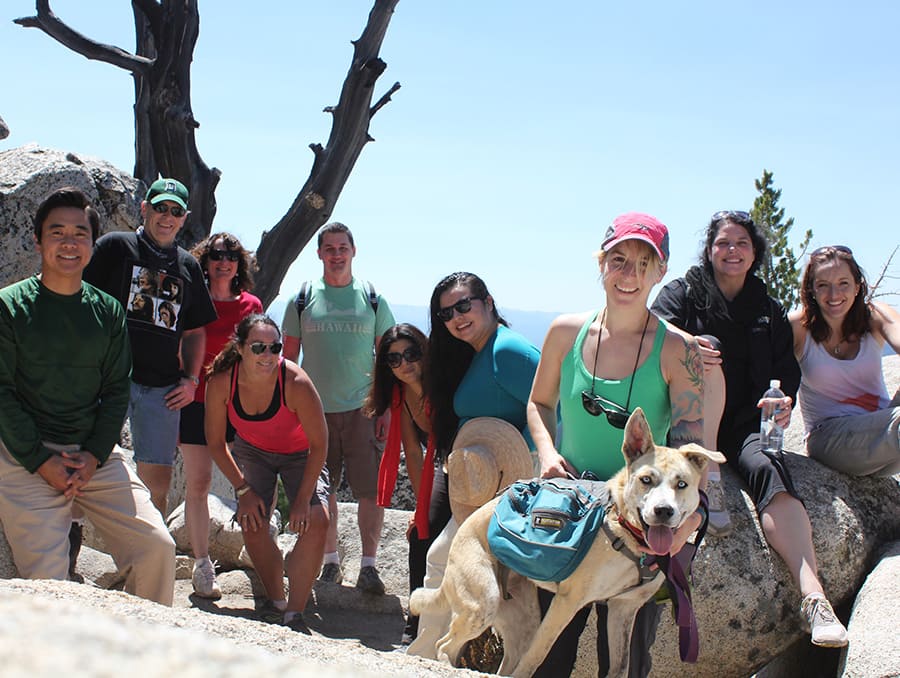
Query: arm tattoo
(687, 406)
(693, 364)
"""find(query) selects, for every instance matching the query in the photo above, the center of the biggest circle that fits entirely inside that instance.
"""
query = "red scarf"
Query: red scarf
(390, 463)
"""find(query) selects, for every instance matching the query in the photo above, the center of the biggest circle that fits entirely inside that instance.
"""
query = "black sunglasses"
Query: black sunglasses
(230, 255)
(259, 347)
(162, 208)
(594, 405)
(731, 215)
(827, 249)
(462, 306)
(412, 354)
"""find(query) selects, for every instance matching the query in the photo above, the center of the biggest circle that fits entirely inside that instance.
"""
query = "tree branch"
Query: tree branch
(49, 23)
(4, 130)
(384, 100)
(873, 287)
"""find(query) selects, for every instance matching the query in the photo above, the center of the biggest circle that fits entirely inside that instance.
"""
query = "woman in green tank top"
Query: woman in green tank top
(598, 366)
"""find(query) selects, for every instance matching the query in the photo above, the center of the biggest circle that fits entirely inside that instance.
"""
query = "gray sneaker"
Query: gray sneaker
(298, 624)
(719, 521)
(821, 621)
(331, 572)
(369, 581)
(204, 579)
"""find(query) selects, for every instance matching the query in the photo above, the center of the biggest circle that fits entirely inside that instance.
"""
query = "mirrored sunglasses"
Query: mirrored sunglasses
(162, 208)
(594, 405)
(829, 249)
(412, 354)
(219, 255)
(731, 215)
(259, 347)
(462, 306)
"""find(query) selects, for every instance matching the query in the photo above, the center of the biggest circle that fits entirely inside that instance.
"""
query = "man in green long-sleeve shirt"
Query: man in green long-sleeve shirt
(65, 363)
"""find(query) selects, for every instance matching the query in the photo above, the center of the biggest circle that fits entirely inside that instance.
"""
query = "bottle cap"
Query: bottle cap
(775, 383)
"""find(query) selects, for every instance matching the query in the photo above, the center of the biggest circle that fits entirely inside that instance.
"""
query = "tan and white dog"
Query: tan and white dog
(654, 494)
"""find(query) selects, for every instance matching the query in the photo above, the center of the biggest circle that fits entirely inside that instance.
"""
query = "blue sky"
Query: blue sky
(521, 129)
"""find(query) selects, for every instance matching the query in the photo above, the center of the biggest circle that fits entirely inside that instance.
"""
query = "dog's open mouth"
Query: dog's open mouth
(659, 538)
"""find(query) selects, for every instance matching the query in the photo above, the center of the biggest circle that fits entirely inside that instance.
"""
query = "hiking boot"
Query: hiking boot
(331, 572)
(297, 623)
(719, 524)
(204, 579)
(369, 581)
(76, 533)
(270, 614)
(822, 622)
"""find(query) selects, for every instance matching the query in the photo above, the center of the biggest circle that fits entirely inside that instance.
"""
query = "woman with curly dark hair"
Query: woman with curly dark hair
(228, 269)
(400, 368)
(746, 341)
(839, 336)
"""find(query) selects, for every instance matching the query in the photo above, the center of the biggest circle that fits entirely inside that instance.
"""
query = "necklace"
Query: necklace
(637, 358)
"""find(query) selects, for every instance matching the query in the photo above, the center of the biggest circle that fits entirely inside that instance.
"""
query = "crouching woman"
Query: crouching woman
(279, 431)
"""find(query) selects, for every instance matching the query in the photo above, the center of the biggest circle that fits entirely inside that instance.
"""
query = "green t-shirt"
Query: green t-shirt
(337, 334)
(65, 363)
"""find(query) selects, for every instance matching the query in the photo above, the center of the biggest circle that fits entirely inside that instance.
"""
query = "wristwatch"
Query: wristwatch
(242, 490)
(194, 379)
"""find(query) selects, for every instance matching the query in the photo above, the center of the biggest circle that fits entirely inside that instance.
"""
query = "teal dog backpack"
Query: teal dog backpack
(543, 528)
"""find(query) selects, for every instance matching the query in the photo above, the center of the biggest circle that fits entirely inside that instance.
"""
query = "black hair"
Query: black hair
(67, 196)
(379, 398)
(757, 239)
(449, 358)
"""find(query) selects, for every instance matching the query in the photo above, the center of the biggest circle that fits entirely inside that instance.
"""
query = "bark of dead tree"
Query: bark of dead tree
(166, 34)
(332, 164)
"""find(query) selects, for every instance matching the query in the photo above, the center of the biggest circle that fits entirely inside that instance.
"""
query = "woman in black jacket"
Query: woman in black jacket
(747, 342)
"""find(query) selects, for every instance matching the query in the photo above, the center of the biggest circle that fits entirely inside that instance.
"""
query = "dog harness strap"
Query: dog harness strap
(643, 562)
(680, 591)
(503, 580)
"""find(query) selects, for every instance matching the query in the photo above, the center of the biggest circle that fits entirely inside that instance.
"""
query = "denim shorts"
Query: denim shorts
(154, 427)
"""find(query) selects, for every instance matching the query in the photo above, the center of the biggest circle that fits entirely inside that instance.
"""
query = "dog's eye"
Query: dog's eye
(646, 480)
(681, 485)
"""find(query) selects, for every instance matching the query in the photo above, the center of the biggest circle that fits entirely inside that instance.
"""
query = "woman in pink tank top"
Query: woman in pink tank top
(280, 432)
(839, 336)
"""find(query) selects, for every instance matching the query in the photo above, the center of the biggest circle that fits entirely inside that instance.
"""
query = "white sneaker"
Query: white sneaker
(204, 579)
(719, 521)
(822, 622)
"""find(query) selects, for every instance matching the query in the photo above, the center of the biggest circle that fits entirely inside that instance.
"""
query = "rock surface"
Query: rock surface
(875, 646)
(29, 173)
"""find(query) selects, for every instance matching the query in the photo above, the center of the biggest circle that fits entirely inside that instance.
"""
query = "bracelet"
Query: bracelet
(194, 379)
(242, 490)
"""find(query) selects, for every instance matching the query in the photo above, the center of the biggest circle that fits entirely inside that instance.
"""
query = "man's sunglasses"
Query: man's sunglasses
(731, 215)
(412, 354)
(594, 405)
(828, 249)
(462, 306)
(219, 255)
(162, 208)
(259, 347)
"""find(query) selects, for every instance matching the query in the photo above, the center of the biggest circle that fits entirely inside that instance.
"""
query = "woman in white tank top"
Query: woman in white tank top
(851, 423)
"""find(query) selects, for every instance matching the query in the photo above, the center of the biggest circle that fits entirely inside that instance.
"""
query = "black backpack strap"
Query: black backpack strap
(373, 296)
(303, 297)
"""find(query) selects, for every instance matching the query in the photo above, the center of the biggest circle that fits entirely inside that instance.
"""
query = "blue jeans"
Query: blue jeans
(154, 427)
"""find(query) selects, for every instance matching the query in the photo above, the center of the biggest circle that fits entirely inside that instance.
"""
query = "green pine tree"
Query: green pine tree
(779, 270)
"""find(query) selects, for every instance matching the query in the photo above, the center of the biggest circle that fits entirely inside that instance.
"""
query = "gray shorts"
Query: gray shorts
(859, 445)
(352, 444)
(261, 470)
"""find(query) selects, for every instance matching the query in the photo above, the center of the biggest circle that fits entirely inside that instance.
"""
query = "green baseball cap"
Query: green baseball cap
(168, 189)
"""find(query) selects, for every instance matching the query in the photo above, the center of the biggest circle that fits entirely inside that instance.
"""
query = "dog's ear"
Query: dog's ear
(700, 456)
(638, 438)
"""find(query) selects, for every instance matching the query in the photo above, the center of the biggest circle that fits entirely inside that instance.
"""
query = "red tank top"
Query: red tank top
(277, 429)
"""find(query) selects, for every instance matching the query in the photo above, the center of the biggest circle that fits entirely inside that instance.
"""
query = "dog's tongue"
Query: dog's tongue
(659, 539)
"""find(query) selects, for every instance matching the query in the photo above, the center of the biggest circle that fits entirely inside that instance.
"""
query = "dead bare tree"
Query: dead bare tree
(164, 124)
(332, 164)
(4, 130)
(875, 290)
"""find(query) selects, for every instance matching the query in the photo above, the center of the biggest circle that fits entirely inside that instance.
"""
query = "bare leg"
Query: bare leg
(267, 561)
(157, 478)
(787, 529)
(306, 558)
(370, 517)
(198, 476)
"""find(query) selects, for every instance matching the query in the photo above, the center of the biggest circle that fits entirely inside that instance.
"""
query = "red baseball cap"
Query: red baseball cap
(637, 226)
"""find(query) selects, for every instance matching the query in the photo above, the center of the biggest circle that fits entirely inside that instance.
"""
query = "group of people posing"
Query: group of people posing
(132, 325)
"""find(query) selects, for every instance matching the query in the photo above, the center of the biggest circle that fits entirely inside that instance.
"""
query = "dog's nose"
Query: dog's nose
(664, 512)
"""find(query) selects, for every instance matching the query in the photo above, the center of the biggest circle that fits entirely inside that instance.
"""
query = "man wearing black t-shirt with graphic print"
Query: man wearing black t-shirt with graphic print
(147, 272)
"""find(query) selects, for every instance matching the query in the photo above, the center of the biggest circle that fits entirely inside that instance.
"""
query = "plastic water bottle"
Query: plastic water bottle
(771, 435)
